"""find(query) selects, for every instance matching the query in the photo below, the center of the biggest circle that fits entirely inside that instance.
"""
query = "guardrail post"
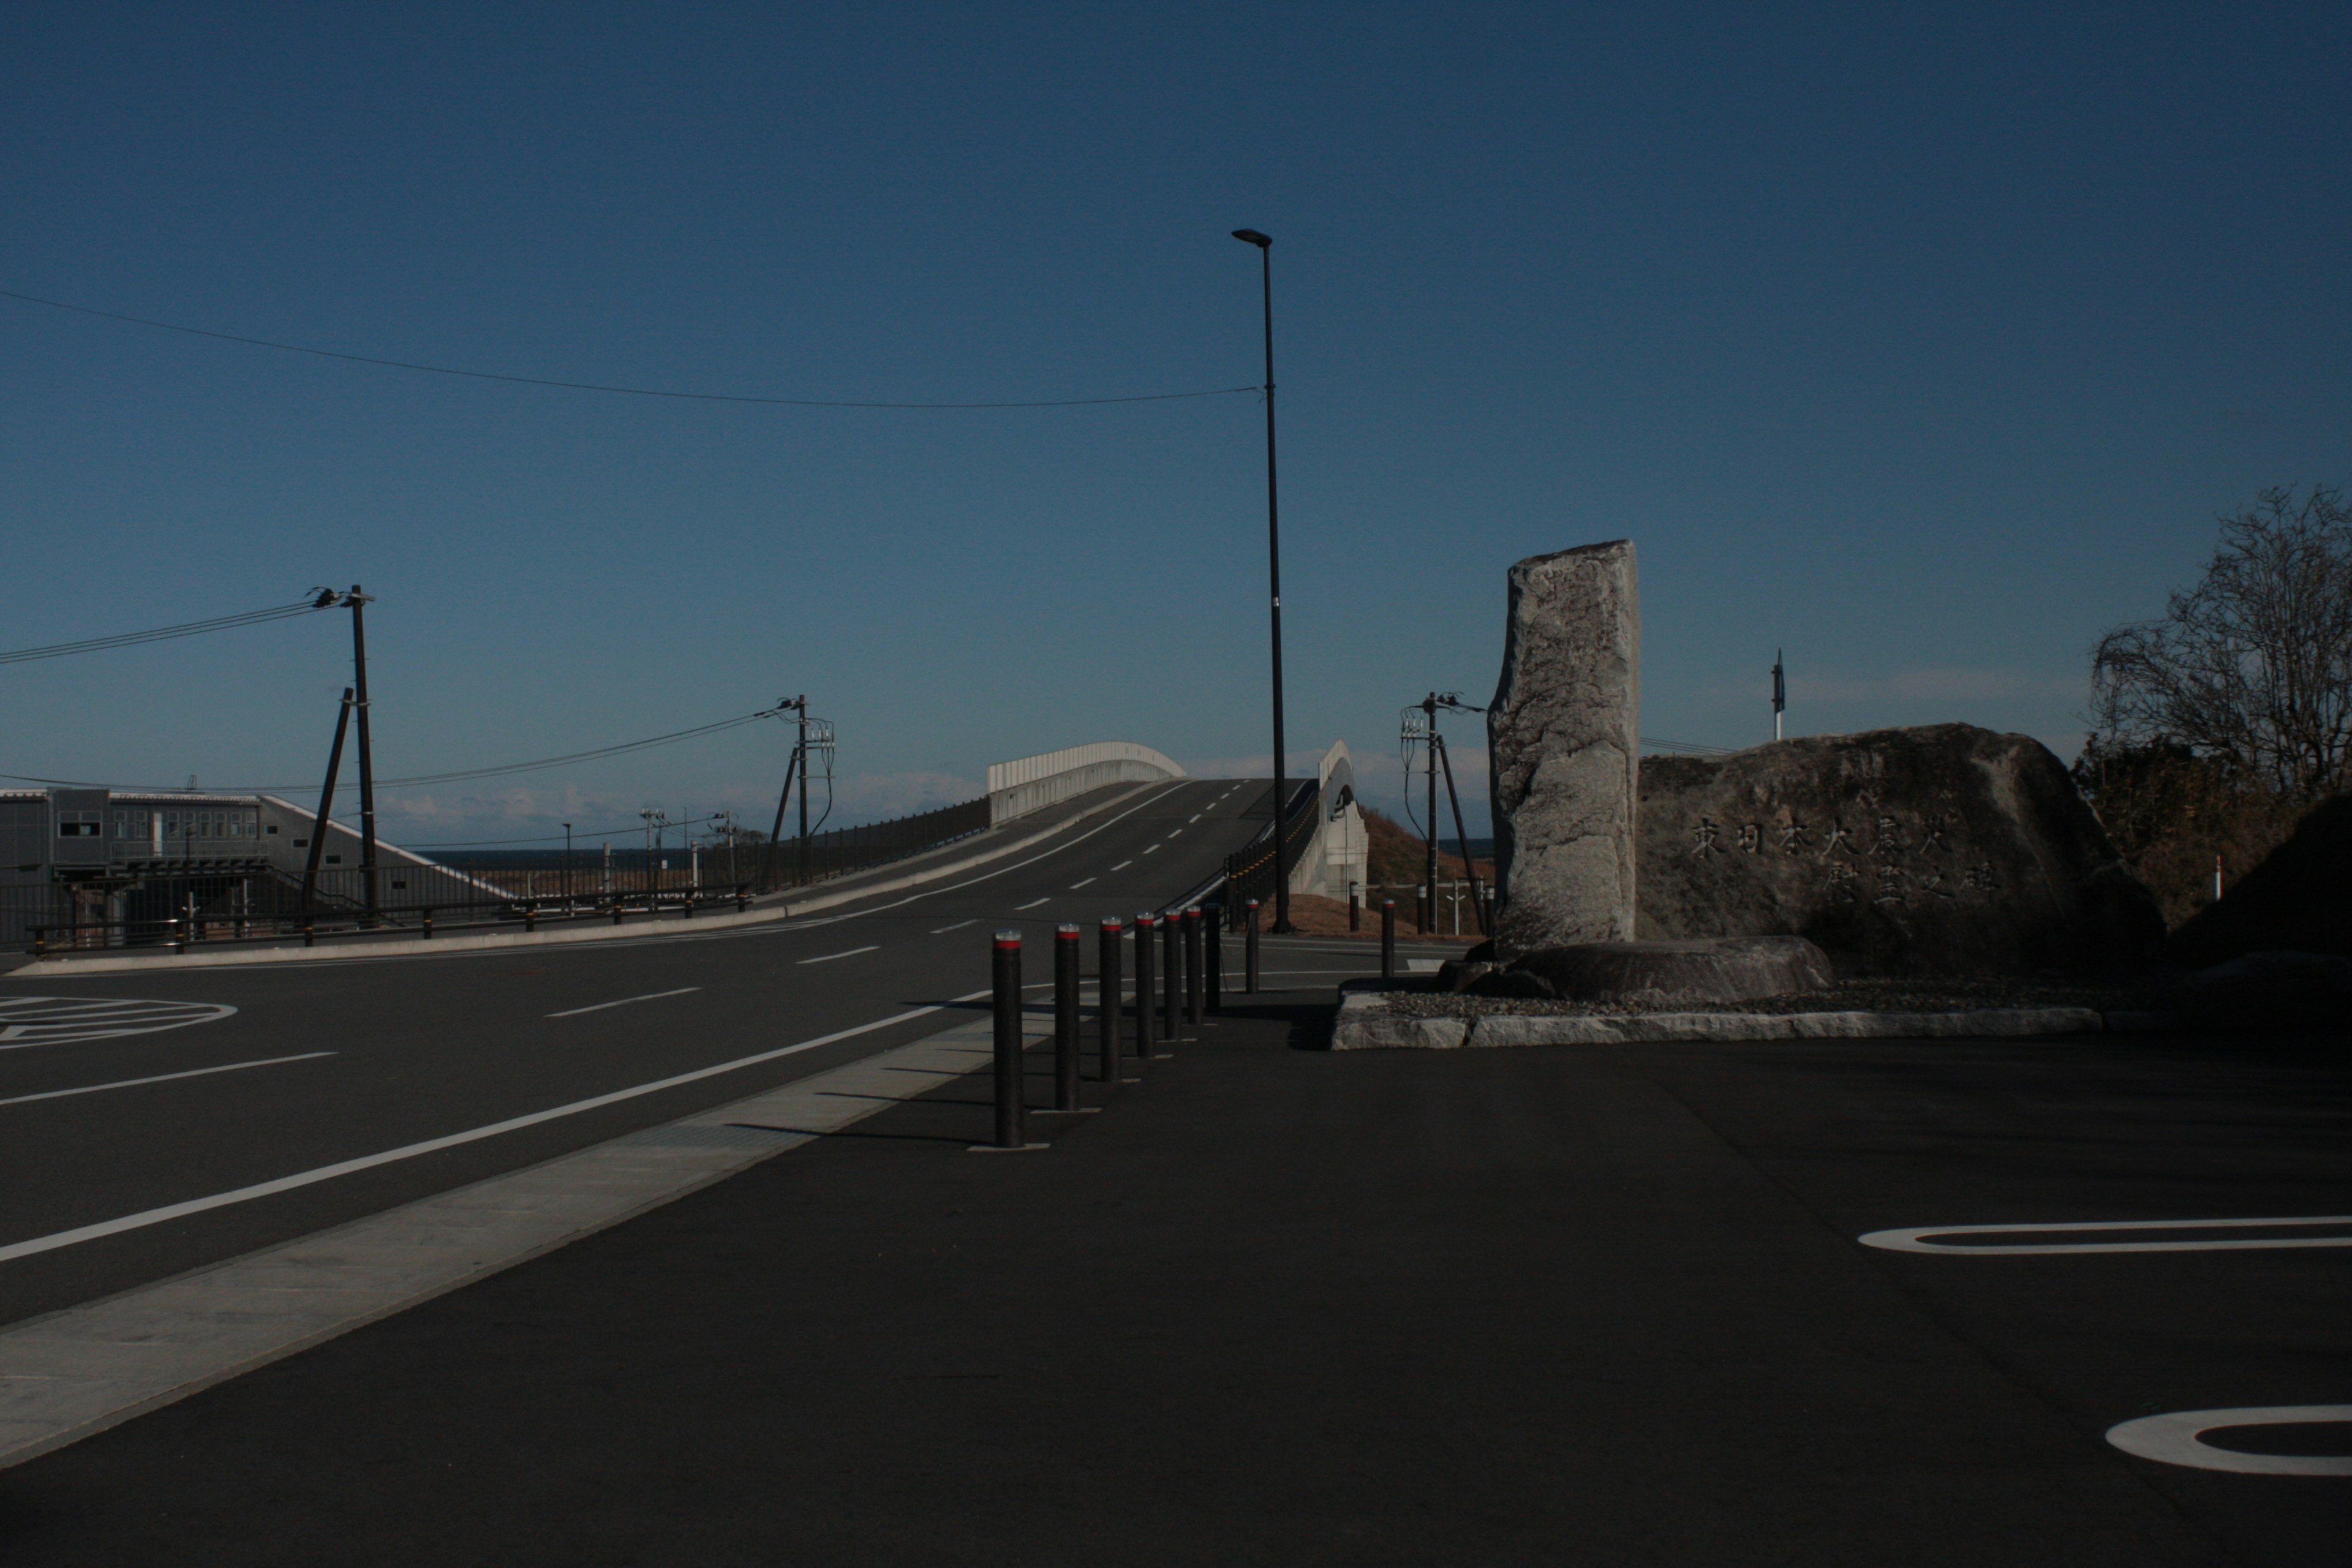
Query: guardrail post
(1171, 980)
(742, 899)
(530, 917)
(1011, 1096)
(1144, 1000)
(1107, 991)
(1067, 960)
(1213, 933)
(1192, 959)
(428, 925)
(1249, 952)
(40, 943)
(179, 935)
(310, 931)
(1388, 939)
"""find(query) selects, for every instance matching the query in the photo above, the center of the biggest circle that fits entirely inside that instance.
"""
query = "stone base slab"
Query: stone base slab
(1366, 1022)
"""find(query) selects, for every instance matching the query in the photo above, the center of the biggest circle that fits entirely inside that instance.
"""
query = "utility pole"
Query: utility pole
(567, 863)
(1274, 582)
(803, 874)
(652, 886)
(359, 603)
(776, 832)
(1429, 707)
(326, 804)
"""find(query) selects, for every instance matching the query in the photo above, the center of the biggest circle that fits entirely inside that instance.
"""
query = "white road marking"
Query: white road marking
(1122, 865)
(1154, 850)
(958, 926)
(1031, 904)
(1075, 885)
(852, 952)
(600, 1006)
(58, 1020)
(162, 1078)
(1919, 1240)
(170, 1212)
(1175, 831)
(2178, 1439)
(1195, 817)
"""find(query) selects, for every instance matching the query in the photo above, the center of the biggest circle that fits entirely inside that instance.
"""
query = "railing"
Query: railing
(1250, 872)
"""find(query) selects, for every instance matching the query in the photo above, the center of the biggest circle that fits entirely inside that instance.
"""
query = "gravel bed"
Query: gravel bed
(1846, 996)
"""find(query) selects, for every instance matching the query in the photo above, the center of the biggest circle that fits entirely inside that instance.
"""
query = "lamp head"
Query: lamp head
(1254, 238)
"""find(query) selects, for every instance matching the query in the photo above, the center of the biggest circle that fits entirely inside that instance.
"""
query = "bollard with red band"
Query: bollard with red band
(1193, 960)
(1388, 938)
(1213, 933)
(1108, 996)
(1012, 1098)
(1172, 981)
(1145, 925)
(1068, 959)
(1249, 952)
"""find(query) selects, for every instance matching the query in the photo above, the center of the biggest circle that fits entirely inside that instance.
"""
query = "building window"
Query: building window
(79, 825)
(129, 822)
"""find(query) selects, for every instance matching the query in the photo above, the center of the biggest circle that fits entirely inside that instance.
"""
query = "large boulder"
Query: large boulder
(1676, 974)
(1945, 849)
(2298, 898)
(1563, 737)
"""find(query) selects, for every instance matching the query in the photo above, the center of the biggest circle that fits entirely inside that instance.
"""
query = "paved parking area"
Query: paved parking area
(1279, 1306)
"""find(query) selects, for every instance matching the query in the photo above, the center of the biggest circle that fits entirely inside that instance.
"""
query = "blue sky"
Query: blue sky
(1926, 344)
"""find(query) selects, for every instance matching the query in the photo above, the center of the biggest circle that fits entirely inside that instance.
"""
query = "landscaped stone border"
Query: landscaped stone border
(1366, 1022)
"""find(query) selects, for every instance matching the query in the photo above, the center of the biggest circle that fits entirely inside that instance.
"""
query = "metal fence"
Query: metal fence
(420, 897)
(1250, 872)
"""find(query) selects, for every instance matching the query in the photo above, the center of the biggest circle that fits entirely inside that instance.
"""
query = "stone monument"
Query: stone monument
(1564, 739)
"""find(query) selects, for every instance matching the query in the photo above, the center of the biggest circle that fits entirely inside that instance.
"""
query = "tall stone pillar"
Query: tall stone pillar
(1565, 750)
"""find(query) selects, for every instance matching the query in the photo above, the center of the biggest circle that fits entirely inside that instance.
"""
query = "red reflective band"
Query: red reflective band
(1013, 945)
(1112, 925)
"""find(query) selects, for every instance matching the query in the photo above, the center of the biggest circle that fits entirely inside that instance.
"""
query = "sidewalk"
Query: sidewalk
(1272, 1306)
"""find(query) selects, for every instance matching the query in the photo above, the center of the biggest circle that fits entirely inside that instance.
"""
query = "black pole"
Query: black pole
(1067, 959)
(1145, 1002)
(1388, 939)
(1193, 960)
(1213, 934)
(1171, 980)
(805, 795)
(1107, 989)
(1249, 952)
(1462, 838)
(326, 804)
(1429, 908)
(1274, 576)
(359, 603)
(776, 833)
(1011, 1103)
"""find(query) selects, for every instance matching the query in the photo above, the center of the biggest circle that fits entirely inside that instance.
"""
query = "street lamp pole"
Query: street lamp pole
(1274, 580)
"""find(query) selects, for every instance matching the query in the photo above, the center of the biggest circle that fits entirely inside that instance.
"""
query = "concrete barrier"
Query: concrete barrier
(1032, 783)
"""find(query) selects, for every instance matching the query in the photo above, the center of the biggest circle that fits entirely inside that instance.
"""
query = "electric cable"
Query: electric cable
(601, 386)
(165, 634)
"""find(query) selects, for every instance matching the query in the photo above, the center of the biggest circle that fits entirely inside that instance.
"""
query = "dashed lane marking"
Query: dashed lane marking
(1122, 865)
(61, 1020)
(1154, 850)
(958, 926)
(162, 1078)
(1925, 1238)
(623, 1002)
(1031, 904)
(1075, 885)
(852, 952)
(2179, 1439)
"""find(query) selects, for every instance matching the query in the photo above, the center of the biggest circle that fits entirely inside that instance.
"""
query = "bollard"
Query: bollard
(1212, 917)
(1108, 991)
(1067, 960)
(40, 943)
(1192, 978)
(310, 932)
(616, 909)
(688, 911)
(1425, 903)
(1249, 952)
(530, 917)
(1171, 979)
(428, 925)
(742, 899)
(179, 936)
(1388, 939)
(1012, 1101)
(1355, 906)
(1144, 1003)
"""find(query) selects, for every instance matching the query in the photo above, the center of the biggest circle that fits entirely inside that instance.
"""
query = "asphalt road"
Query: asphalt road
(1282, 1306)
(364, 1056)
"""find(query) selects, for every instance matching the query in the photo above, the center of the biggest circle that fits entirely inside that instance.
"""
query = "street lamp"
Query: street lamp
(1264, 244)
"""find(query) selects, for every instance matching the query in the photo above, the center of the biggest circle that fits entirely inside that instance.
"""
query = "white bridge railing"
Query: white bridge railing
(1032, 783)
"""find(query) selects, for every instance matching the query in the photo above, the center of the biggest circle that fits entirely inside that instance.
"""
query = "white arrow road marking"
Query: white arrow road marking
(1923, 1238)
(59, 1020)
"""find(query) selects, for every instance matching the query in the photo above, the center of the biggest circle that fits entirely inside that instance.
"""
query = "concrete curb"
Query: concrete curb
(1365, 1023)
(403, 947)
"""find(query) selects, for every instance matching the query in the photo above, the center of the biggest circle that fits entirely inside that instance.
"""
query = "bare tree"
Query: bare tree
(2250, 669)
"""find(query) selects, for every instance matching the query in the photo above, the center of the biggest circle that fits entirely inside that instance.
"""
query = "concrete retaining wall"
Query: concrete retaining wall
(1032, 783)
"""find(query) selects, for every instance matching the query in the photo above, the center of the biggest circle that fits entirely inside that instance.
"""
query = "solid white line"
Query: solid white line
(1031, 904)
(1922, 1240)
(648, 996)
(450, 1140)
(1122, 865)
(853, 953)
(1075, 885)
(958, 926)
(163, 1077)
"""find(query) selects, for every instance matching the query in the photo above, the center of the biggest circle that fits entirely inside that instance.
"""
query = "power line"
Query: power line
(600, 386)
(163, 634)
